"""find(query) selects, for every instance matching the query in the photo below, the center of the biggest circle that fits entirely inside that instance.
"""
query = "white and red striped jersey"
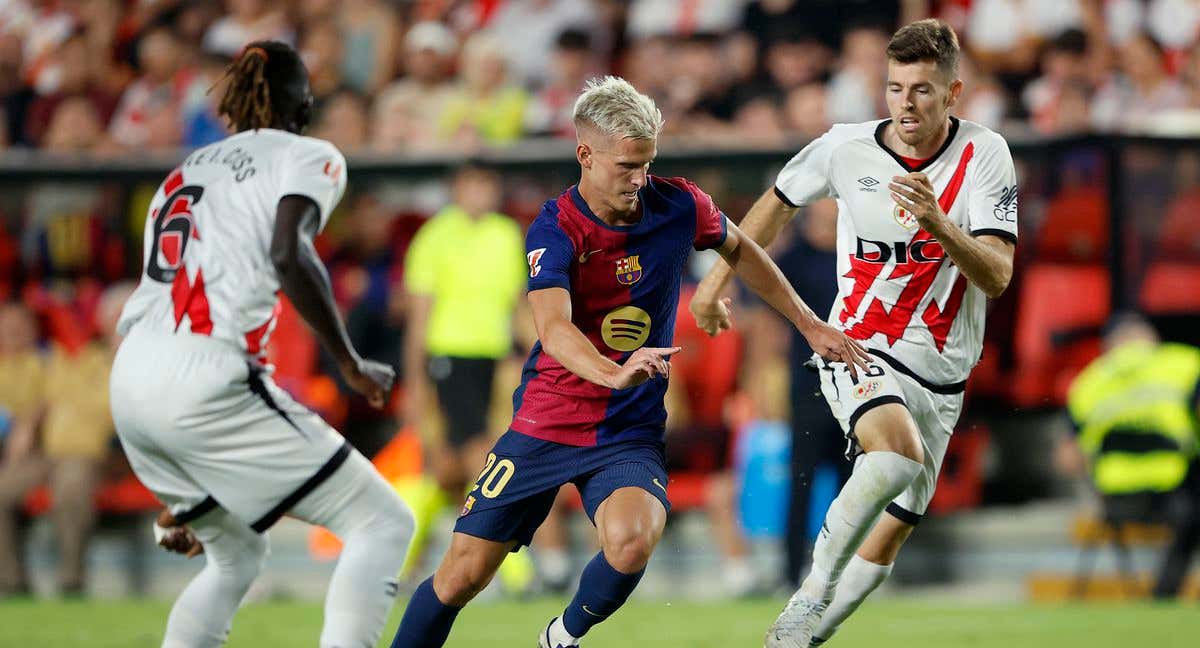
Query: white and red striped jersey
(206, 260)
(898, 291)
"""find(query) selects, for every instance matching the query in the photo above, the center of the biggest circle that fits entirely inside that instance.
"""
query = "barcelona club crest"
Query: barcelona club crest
(629, 270)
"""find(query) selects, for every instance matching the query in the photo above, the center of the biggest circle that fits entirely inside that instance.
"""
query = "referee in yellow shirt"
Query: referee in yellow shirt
(464, 271)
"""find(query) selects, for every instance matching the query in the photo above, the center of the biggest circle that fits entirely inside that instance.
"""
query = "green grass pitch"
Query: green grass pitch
(885, 624)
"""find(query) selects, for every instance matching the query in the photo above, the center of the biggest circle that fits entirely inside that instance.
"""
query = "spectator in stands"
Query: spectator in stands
(699, 100)
(248, 20)
(372, 39)
(571, 64)
(67, 444)
(15, 96)
(149, 114)
(1135, 410)
(683, 17)
(854, 94)
(1064, 62)
(797, 60)
(69, 74)
(806, 111)
(21, 374)
(759, 121)
(1140, 90)
(405, 111)
(464, 273)
(486, 107)
(321, 49)
(537, 25)
(74, 127)
(202, 125)
(343, 121)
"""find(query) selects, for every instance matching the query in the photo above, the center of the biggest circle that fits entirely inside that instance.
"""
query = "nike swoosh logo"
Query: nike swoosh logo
(587, 255)
(598, 616)
(656, 483)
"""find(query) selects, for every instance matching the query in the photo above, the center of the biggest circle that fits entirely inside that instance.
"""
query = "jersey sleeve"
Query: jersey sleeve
(548, 252)
(315, 169)
(993, 200)
(711, 226)
(807, 177)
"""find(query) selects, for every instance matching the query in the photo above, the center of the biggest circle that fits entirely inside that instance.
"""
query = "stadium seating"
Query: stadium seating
(1062, 311)
(1076, 227)
(1171, 288)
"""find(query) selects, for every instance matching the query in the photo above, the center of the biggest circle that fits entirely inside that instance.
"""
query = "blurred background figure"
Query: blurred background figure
(1135, 412)
(486, 107)
(62, 440)
(464, 273)
(818, 462)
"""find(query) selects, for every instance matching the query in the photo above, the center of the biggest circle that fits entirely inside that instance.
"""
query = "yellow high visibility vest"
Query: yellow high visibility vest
(1135, 409)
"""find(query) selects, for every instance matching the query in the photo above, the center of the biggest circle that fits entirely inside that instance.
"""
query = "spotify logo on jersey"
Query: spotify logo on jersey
(626, 328)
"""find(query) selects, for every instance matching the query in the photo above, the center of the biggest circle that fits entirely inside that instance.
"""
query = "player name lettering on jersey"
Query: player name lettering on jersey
(207, 268)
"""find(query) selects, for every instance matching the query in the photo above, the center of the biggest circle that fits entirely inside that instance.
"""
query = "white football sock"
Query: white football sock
(558, 636)
(877, 479)
(376, 526)
(859, 579)
(234, 555)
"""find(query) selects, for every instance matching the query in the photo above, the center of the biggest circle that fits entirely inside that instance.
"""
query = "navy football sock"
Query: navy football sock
(427, 620)
(602, 590)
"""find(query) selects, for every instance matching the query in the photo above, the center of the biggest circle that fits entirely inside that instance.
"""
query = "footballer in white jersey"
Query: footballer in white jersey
(204, 427)
(927, 227)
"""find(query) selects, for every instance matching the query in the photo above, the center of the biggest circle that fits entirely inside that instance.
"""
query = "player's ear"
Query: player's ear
(583, 153)
(956, 88)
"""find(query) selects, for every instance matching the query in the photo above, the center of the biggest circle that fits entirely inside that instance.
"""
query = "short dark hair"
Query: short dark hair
(926, 40)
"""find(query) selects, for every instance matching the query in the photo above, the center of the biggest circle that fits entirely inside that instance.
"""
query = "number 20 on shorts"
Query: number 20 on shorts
(494, 476)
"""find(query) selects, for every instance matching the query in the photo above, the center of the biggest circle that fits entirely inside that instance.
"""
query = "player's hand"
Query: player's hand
(712, 315)
(371, 379)
(914, 192)
(835, 346)
(642, 365)
(178, 538)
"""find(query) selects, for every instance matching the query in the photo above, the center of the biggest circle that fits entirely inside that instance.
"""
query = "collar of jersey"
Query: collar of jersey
(900, 160)
(582, 206)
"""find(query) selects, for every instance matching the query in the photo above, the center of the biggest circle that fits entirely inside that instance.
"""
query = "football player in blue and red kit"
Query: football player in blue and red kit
(605, 262)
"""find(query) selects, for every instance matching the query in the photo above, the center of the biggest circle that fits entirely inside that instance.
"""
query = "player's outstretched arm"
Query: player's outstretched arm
(760, 273)
(762, 223)
(567, 344)
(986, 261)
(303, 279)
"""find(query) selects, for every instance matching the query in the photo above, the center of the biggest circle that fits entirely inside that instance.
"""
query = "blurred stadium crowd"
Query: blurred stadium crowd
(410, 78)
(108, 76)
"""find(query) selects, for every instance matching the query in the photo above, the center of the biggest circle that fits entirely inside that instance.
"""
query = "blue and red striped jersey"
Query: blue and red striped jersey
(624, 285)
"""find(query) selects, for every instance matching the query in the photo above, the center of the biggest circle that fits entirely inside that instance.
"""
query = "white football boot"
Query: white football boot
(795, 626)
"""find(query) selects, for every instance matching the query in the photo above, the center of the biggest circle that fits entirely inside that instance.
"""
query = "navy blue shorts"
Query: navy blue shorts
(522, 476)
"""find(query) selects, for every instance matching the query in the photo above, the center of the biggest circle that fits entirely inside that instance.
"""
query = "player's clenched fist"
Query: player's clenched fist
(834, 346)
(642, 365)
(712, 315)
(371, 379)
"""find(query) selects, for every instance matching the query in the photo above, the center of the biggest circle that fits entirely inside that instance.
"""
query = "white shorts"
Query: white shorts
(204, 427)
(934, 408)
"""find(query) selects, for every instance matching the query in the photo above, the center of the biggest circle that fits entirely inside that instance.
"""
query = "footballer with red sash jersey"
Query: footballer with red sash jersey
(605, 263)
(927, 227)
(203, 424)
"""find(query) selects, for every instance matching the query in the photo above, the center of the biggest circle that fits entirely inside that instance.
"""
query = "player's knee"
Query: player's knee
(239, 564)
(627, 550)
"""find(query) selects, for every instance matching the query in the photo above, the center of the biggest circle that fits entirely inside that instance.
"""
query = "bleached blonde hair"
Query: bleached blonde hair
(612, 106)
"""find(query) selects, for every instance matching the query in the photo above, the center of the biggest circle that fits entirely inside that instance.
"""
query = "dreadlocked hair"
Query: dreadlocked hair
(247, 99)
